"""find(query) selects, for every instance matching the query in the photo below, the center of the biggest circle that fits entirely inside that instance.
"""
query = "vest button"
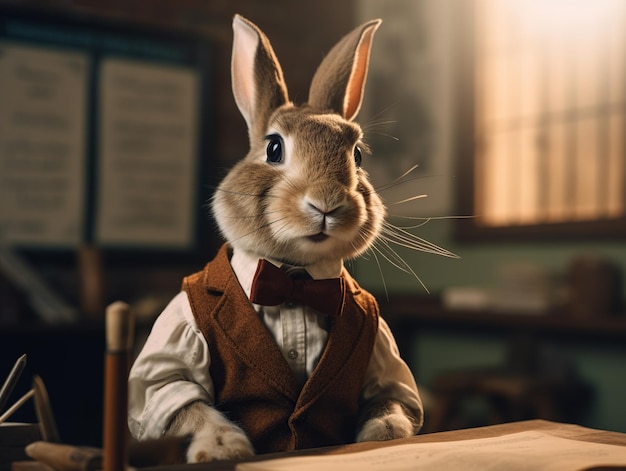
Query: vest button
(290, 304)
(292, 354)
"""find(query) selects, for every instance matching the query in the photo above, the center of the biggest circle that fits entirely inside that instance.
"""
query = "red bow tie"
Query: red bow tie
(272, 286)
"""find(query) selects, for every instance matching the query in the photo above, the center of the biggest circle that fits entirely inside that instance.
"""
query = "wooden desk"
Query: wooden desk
(574, 432)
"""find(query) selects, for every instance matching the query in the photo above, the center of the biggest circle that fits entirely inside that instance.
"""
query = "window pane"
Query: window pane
(550, 80)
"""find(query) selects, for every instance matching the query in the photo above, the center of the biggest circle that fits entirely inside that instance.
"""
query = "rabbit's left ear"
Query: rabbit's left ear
(339, 81)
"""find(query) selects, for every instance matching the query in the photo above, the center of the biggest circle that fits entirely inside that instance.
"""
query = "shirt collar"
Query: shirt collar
(244, 265)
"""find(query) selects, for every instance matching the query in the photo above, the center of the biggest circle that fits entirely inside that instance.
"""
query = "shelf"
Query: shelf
(402, 310)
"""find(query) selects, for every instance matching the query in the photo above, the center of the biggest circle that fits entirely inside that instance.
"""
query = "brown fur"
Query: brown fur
(273, 216)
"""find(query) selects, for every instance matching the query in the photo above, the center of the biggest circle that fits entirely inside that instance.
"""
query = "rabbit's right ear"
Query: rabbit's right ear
(257, 78)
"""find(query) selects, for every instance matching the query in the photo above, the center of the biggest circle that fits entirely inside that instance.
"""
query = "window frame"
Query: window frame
(469, 229)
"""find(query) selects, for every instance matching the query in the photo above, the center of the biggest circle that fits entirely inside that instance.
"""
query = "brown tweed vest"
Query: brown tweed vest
(254, 385)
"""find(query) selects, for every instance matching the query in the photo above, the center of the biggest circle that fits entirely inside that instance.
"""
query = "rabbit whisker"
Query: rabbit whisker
(392, 257)
(405, 173)
(257, 229)
(429, 218)
(375, 124)
(426, 220)
(380, 270)
(287, 180)
(251, 216)
(412, 198)
(243, 193)
(282, 228)
(398, 182)
(409, 240)
(390, 136)
(379, 117)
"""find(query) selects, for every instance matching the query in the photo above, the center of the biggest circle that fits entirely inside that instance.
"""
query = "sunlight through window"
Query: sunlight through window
(550, 83)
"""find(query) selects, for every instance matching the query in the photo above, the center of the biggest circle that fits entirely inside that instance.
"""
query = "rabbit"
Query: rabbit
(210, 367)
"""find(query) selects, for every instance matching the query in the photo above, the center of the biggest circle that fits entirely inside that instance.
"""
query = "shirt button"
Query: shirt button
(292, 354)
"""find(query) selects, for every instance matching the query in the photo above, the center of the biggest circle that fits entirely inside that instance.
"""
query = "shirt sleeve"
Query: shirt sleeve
(171, 371)
(388, 376)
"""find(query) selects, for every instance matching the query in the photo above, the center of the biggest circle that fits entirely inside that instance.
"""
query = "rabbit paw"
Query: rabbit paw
(390, 424)
(221, 443)
(213, 436)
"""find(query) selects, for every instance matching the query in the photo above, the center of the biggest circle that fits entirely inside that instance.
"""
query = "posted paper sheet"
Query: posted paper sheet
(148, 147)
(43, 96)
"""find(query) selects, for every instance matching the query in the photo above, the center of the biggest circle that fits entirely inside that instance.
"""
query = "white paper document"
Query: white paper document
(532, 450)
(147, 154)
(43, 116)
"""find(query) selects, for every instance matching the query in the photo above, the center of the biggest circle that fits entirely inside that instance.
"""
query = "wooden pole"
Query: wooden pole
(119, 340)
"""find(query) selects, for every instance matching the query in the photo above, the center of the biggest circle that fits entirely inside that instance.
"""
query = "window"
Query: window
(545, 113)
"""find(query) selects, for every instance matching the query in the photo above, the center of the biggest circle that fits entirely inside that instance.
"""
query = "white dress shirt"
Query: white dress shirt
(172, 369)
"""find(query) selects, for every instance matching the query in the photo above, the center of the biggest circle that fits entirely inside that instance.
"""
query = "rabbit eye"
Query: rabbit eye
(274, 150)
(357, 157)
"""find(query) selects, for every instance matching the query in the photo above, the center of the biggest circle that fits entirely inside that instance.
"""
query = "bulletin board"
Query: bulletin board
(103, 133)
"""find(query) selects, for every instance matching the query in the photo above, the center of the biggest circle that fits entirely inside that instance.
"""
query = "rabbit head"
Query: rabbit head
(300, 195)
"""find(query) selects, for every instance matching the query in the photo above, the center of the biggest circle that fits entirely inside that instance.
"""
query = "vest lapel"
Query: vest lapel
(241, 325)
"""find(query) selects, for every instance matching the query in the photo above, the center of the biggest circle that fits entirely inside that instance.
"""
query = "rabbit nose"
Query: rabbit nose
(325, 203)
(323, 209)
(324, 215)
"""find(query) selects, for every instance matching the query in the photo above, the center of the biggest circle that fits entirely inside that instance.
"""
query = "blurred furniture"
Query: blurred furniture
(408, 313)
(526, 385)
(13, 438)
(509, 396)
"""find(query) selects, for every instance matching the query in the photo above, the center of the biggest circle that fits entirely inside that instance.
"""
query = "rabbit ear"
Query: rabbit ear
(257, 79)
(340, 79)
